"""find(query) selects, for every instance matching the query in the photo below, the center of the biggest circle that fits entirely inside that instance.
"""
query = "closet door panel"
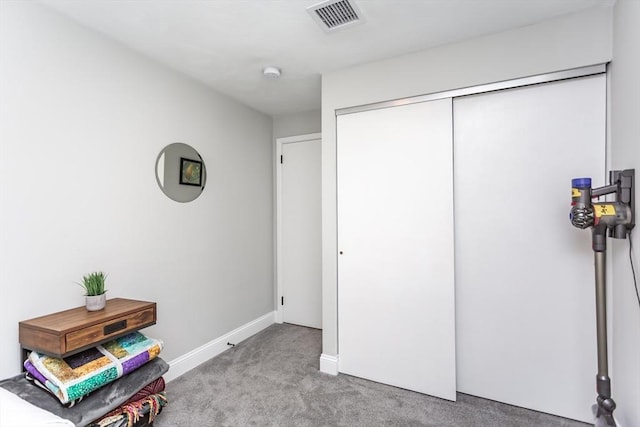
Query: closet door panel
(395, 240)
(525, 305)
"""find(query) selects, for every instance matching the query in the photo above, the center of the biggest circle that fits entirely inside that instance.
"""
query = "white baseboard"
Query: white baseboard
(329, 364)
(190, 360)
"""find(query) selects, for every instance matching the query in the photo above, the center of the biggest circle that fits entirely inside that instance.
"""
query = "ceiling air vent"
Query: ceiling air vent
(335, 14)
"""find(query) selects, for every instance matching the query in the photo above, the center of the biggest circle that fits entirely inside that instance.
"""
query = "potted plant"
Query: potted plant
(96, 296)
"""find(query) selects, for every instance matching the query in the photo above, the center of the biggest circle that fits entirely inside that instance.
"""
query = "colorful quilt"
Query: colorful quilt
(75, 376)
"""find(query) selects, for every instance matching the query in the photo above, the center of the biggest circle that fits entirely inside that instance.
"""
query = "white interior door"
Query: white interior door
(525, 309)
(395, 242)
(300, 268)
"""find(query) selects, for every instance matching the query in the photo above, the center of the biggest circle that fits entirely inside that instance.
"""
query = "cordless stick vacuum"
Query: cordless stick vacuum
(615, 218)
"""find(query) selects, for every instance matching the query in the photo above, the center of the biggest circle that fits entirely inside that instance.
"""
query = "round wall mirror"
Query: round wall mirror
(180, 172)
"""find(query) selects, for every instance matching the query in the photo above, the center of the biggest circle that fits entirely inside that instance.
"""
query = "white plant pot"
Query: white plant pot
(96, 302)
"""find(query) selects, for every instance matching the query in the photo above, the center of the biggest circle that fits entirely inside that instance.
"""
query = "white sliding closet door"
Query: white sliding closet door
(395, 241)
(525, 305)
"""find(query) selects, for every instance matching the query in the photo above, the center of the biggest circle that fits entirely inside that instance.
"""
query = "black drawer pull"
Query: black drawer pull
(109, 329)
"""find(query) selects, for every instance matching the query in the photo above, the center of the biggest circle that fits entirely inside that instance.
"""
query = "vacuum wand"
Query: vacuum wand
(615, 219)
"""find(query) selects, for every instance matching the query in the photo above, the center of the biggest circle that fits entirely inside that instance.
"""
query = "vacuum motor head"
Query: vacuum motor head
(581, 214)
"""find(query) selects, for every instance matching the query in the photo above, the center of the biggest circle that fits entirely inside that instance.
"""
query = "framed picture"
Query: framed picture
(190, 172)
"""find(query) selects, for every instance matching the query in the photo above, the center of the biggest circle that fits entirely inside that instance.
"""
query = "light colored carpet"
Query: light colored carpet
(272, 379)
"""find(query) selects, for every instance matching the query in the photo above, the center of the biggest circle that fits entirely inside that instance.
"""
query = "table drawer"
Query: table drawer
(112, 328)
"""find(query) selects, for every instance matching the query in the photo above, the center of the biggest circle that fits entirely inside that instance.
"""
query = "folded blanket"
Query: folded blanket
(78, 375)
(131, 413)
(98, 403)
(153, 387)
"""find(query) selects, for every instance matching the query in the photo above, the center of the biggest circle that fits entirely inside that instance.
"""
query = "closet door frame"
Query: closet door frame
(508, 84)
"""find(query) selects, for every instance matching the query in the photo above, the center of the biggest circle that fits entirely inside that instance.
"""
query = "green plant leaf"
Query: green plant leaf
(93, 283)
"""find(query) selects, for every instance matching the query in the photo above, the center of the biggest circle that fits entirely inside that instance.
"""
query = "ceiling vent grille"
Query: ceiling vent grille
(335, 14)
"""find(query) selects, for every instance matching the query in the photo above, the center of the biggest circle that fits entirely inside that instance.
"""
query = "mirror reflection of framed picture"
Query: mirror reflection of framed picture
(190, 172)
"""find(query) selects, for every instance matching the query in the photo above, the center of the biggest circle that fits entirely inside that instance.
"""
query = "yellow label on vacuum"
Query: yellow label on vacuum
(604, 210)
(575, 192)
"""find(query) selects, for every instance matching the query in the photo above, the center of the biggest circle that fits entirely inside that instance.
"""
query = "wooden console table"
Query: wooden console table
(71, 331)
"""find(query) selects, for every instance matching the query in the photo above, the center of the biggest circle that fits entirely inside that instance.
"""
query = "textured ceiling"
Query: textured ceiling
(226, 43)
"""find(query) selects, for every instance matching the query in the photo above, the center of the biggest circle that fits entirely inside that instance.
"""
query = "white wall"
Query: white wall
(564, 43)
(625, 150)
(296, 124)
(82, 120)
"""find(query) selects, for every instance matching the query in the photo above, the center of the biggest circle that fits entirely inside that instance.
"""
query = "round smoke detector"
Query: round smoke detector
(271, 72)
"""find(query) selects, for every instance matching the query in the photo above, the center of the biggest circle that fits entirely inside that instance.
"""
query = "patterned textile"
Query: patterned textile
(130, 413)
(153, 387)
(78, 375)
(35, 381)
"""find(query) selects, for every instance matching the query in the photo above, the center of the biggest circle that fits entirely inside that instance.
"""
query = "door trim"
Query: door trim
(279, 144)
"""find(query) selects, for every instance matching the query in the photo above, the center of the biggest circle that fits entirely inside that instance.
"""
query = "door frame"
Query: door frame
(279, 145)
